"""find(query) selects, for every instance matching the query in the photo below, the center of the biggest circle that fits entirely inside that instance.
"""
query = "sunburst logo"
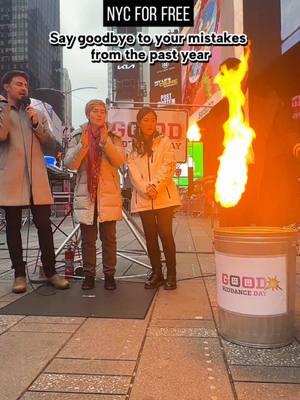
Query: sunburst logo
(273, 283)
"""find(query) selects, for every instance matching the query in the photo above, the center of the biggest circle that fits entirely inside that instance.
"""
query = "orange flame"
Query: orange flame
(233, 169)
(193, 133)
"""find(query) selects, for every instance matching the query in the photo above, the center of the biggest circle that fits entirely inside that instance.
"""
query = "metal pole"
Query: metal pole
(158, 104)
(134, 231)
(61, 247)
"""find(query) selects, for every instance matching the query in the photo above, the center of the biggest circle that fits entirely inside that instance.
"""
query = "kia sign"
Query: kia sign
(171, 123)
(125, 71)
(126, 66)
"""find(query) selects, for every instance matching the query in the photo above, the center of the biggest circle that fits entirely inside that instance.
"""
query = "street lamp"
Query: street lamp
(65, 94)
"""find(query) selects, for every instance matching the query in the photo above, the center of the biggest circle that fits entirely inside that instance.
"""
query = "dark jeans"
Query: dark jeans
(41, 218)
(159, 223)
(89, 234)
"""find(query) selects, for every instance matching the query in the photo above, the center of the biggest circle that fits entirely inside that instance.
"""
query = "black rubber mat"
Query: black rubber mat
(129, 301)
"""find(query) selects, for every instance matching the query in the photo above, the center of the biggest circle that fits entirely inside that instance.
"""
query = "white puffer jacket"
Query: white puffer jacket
(109, 203)
(157, 170)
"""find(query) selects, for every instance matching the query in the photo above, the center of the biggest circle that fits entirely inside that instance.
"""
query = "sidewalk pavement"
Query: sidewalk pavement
(175, 353)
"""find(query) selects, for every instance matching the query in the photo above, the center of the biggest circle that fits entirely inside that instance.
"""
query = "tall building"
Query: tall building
(128, 81)
(24, 30)
(67, 88)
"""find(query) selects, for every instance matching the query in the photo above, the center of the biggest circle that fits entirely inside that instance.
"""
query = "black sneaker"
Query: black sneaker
(88, 283)
(109, 282)
(170, 283)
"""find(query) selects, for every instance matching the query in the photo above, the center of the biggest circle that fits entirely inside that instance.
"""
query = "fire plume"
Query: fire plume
(193, 133)
(233, 169)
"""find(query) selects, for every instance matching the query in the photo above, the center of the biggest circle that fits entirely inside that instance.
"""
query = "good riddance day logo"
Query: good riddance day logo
(246, 285)
(252, 285)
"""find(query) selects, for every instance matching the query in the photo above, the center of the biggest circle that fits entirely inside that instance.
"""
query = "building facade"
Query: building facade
(128, 81)
(24, 30)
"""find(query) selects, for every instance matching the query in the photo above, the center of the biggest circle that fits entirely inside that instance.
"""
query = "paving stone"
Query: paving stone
(264, 391)
(182, 332)
(54, 320)
(188, 301)
(181, 368)
(23, 356)
(4, 303)
(69, 396)
(211, 286)
(187, 266)
(207, 263)
(106, 339)
(7, 321)
(81, 383)
(288, 356)
(10, 297)
(5, 288)
(38, 327)
(99, 367)
(183, 323)
(265, 374)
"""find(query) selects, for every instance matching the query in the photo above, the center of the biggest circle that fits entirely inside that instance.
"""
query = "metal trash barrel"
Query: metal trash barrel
(256, 280)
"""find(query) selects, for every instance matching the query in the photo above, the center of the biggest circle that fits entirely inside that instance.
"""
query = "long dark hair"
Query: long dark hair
(139, 144)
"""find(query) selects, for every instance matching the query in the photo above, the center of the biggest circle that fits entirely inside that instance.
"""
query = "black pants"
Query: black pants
(159, 223)
(89, 235)
(41, 218)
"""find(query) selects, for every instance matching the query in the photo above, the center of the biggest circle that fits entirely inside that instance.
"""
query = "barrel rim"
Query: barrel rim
(265, 231)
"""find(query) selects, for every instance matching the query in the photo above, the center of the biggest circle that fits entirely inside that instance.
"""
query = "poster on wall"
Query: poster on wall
(197, 78)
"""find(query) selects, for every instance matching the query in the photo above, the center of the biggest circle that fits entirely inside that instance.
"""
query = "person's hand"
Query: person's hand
(33, 115)
(85, 139)
(104, 135)
(2, 98)
(151, 192)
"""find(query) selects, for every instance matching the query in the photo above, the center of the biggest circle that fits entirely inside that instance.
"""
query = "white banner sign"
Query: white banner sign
(172, 123)
(252, 285)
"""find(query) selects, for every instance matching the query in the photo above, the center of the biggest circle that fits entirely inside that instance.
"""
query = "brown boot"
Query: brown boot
(59, 282)
(20, 285)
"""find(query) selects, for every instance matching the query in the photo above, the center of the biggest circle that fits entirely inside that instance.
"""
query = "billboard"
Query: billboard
(165, 83)
(197, 78)
(171, 123)
(126, 76)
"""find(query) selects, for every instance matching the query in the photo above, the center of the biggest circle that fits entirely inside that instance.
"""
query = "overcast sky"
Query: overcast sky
(83, 17)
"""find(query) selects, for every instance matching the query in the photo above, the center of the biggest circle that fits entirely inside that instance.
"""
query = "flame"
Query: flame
(193, 133)
(233, 169)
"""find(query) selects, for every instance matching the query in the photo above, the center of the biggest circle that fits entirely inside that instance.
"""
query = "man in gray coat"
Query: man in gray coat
(96, 154)
(23, 177)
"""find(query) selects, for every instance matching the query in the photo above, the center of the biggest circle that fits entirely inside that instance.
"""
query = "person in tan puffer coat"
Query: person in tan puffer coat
(155, 196)
(96, 154)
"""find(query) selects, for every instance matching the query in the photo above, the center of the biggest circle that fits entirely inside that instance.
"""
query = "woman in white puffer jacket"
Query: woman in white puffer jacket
(151, 168)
